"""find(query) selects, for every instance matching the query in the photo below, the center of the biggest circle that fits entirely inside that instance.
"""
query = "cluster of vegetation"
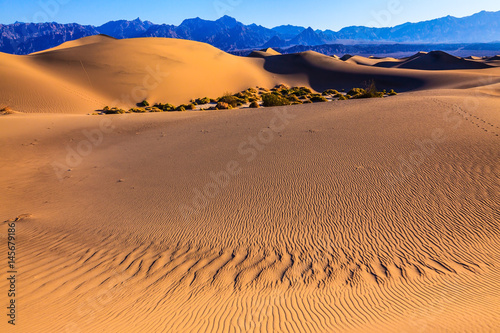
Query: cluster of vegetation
(280, 95)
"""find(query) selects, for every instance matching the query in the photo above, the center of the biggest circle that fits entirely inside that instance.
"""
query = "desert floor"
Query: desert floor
(349, 216)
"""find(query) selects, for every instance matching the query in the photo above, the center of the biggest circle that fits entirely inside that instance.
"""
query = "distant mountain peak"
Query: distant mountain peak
(228, 20)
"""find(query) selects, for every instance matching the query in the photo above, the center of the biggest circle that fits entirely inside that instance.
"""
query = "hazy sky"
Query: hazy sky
(317, 14)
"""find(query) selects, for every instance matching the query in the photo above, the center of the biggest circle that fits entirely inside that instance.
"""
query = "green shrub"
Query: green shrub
(231, 100)
(137, 110)
(165, 107)
(182, 107)
(143, 103)
(300, 91)
(370, 92)
(274, 100)
(293, 99)
(204, 100)
(114, 110)
(392, 93)
(316, 99)
(254, 105)
(356, 91)
(330, 92)
(223, 106)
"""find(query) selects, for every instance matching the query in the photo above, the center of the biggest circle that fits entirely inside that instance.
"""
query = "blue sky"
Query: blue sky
(317, 14)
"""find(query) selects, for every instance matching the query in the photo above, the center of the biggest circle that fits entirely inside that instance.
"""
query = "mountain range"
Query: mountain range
(228, 34)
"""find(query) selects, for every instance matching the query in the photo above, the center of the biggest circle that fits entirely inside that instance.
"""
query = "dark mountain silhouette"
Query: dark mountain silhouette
(308, 37)
(228, 34)
(288, 31)
(125, 29)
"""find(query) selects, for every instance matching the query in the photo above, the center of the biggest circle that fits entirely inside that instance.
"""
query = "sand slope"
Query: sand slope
(328, 226)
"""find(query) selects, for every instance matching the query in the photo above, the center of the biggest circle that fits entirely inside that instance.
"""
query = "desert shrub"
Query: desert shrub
(316, 99)
(114, 110)
(293, 99)
(164, 107)
(106, 108)
(330, 92)
(280, 87)
(182, 107)
(243, 96)
(231, 100)
(213, 100)
(362, 93)
(342, 97)
(274, 100)
(370, 92)
(155, 109)
(191, 107)
(253, 99)
(143, 103)
(137, 110)
(300, 91)
(306, 102)
(392, 93)
(252, 90)
(204, 100)
(223, 106)
(254, 105)
(356, 91)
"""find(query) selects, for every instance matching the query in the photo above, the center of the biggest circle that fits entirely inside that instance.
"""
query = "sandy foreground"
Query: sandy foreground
(347, 216)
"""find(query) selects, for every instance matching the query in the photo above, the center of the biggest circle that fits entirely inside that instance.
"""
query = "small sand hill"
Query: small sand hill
(371, 61)
(346, 57)
(438, 60)
(264, 53)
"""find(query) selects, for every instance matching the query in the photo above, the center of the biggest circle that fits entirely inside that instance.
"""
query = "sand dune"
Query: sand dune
(377, 215)
(125, 72)
(99, 70)
(435, 60)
